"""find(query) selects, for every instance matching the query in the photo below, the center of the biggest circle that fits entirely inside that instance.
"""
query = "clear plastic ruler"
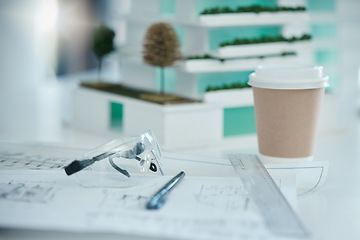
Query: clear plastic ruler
(279, 217)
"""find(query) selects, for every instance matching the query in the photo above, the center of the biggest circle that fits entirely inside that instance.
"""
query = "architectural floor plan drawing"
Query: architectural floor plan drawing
(34, 188)
(216, 206)
(35, 156)
(31, 192)
(226, 197)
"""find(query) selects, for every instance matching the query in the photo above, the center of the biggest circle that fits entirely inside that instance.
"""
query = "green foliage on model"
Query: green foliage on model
(102, 44)
(208, 56)
(264, 39)
(228, 86)
(251, 9)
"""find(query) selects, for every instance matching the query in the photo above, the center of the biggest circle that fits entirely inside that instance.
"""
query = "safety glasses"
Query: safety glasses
(127, 156)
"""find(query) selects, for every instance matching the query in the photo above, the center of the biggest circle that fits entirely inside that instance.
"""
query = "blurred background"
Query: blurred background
(45, 48)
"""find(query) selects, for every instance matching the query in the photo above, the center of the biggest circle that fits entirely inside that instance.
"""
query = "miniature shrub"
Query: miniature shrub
(252, 8)
(208, 56)
(264, 39)
(161, 48)
(227, 86)
(102, 44)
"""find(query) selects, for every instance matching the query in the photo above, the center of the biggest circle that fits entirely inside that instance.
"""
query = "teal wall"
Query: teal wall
(239, 121)
(329, 58)
(180, 32)
(325, 31)
(116, 116)
(321, 5)
(167, 7)
(169, 76)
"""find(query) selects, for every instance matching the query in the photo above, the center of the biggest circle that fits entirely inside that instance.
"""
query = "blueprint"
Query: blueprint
(35, 193)
(35, 156)
(202, 207)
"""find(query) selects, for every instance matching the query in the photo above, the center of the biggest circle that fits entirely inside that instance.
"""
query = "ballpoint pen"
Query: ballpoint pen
(158, 200)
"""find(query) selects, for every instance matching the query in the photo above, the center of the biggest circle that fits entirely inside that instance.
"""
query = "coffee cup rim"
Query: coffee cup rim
(288, 76)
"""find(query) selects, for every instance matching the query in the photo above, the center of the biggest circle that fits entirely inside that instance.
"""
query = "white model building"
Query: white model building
(219, 114)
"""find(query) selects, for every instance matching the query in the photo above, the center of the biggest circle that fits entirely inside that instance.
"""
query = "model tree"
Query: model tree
(102, 44)
(161, 48)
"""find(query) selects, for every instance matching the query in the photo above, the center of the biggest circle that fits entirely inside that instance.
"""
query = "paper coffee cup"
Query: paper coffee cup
(287, 102)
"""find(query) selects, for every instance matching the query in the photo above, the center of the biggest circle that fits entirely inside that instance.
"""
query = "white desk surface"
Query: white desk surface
(333, 212)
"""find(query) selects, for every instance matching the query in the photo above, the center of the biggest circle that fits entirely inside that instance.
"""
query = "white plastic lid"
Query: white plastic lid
(288, 76)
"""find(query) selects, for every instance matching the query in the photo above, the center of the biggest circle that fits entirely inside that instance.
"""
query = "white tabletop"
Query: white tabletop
(41, 114)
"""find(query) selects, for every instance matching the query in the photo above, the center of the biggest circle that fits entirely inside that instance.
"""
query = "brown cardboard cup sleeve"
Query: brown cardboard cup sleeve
(287, 102)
